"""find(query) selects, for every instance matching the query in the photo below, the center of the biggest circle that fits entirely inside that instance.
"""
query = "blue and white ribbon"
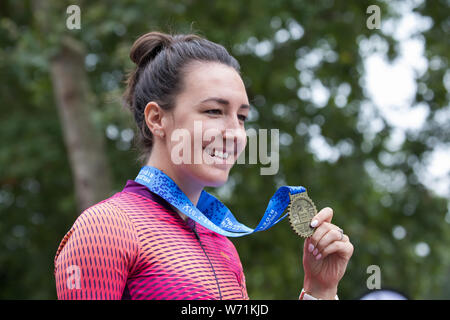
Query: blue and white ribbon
(211, 212)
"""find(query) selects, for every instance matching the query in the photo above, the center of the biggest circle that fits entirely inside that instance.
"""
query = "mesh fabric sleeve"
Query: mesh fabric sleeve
(97, 255)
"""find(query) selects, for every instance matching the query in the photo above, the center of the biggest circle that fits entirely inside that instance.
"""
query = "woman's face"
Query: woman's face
(205, 131)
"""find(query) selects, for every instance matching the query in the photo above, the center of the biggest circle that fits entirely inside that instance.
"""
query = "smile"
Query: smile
(217, 153)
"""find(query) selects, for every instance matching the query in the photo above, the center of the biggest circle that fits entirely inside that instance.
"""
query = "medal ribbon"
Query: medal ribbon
(211, 212)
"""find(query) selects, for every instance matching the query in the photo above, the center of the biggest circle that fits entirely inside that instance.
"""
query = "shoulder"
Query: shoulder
(104, 216)
(101, 250)
(105, 223)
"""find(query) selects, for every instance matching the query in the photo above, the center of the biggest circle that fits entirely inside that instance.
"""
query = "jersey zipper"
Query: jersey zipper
(210, 263)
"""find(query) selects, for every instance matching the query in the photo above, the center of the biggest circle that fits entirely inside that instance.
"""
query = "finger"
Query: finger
(306, 245)
(345, 238)
(318, 234)
(332, 235)
(344, 249)
(324, 215)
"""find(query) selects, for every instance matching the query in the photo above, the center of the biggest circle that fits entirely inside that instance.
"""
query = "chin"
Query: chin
(211, 176)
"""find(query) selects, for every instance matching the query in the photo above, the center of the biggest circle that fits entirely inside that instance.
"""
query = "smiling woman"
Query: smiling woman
(136, 245)
(194, 106)
(163, 236)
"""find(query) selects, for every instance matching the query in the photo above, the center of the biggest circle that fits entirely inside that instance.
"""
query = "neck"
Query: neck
(191, 189)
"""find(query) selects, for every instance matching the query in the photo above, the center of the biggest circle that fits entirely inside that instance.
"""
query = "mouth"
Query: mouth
(219, 154)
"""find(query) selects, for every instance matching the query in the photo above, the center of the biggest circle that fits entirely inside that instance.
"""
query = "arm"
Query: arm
(325, 257)
(95, 257)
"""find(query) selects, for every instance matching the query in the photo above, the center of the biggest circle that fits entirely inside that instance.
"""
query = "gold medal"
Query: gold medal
(301, 210)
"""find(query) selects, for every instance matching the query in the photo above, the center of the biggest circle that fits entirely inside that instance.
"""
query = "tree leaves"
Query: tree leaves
(285, 48)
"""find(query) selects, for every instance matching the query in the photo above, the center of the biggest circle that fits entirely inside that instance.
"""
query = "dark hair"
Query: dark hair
(161, 61)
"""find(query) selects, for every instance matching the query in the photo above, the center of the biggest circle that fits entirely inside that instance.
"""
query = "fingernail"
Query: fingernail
(310, 247)
(315, 251)
(314, 223)
(318, 256)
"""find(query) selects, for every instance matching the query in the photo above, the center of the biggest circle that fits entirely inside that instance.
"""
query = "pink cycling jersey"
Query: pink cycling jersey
(133, 245)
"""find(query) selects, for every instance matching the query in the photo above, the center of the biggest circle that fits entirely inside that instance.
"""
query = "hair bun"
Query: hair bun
(147, 46)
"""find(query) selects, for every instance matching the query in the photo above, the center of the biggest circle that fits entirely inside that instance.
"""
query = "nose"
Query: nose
(232, 122)
(234, 136)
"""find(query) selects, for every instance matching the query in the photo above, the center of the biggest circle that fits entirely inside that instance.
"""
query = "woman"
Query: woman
(137, 245)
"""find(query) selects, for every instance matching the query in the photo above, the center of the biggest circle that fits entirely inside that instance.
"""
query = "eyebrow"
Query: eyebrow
(225, 102)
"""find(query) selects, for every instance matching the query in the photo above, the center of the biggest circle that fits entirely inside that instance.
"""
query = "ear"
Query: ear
(154, 115)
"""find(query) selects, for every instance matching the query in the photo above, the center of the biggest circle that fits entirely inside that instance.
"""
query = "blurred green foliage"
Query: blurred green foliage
(268, 37)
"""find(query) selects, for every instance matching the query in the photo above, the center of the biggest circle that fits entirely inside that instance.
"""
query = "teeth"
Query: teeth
(217, 153)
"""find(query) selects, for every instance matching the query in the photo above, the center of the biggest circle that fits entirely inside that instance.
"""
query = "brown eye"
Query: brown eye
(214, 111)
(242, 117)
